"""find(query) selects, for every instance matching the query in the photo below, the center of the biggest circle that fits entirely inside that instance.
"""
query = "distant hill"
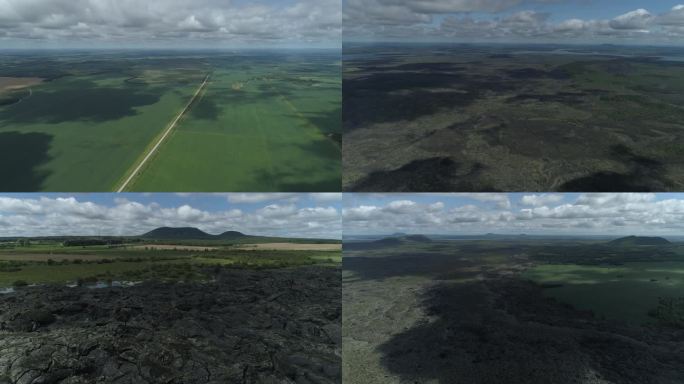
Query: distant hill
(418, 238)
(189, 233)
(232, 237)
(639, 240)
(386, 242)
(184, 233)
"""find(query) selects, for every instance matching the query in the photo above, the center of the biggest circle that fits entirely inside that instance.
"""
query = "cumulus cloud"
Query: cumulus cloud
(500, 199)
(45, 216)
(538, 200)
(639, 19)
(629, 213)
(453, 20)
(239, 198)
(675, 17)
(215, 21)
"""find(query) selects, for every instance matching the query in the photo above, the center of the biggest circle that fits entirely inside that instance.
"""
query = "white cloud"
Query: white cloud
(414, 20)
(639, 19)
(44, 216)
(537, 200)
(600, 213)
(302, 21)
(611, 199)
(500, 199)
(239, 198)
(326, 196)
(674, 17)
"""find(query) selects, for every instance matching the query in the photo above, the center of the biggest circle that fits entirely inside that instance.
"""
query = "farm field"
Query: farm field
(55, 264)
(90, 118)
(423, 309)
(264, 123)
(616, 292)
(511, 117)
(85, 121)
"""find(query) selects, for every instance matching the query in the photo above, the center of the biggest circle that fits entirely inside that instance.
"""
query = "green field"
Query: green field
(82, 133)
(48, 261)
(625, 292)
(266, 127)
(266, 121)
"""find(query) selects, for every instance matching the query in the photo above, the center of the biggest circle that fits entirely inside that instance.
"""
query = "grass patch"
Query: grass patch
(626, 292)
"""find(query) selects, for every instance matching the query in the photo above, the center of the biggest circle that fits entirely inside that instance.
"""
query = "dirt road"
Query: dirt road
(168, 130)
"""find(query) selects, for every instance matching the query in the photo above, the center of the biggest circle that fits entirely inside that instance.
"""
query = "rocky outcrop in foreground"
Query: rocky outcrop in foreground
(273, 326)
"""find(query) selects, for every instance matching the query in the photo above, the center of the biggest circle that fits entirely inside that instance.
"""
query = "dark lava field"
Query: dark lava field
(246, 326)
(469, 118)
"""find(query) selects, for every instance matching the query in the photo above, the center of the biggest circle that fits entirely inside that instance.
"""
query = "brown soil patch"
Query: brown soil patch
(11, 83)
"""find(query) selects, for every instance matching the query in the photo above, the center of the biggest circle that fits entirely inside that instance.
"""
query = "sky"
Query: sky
(312, 215)
(540, 21)
(516, 213)
(169, 23)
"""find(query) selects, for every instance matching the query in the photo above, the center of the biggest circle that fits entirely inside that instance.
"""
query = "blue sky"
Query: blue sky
(562, 21)
(515, 213)
(277, 214)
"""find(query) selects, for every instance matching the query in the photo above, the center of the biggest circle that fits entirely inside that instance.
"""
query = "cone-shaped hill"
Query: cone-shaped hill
(189, 233)
(638, 240)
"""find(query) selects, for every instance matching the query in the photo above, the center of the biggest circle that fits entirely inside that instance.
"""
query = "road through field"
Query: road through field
(163, 137)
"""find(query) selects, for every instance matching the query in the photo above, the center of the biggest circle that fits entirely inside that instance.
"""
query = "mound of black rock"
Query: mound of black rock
(247, 326)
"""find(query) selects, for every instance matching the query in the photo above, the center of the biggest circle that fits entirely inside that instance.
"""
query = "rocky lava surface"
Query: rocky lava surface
(248, 326)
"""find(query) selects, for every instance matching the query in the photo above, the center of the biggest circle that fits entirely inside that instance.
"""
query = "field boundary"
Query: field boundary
(163, 137)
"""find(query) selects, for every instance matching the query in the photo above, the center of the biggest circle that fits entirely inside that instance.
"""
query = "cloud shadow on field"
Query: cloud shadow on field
(21, 154)
(291, 180)
(437, 174)
(644, 175)
(327, 122)
(392, 97)
(403, 263)
(507, 331)
(206, 109)
(80, 100)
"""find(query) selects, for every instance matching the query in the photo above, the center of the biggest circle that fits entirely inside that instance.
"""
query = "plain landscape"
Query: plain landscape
(513, 309)
(156, 120)
(438, 117)
(175, 305)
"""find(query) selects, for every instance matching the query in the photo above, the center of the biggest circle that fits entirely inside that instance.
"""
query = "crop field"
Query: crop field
(512, 118)
(263, 124)
(45, 265)
(87, 122)
(76, 121)
(626, 292)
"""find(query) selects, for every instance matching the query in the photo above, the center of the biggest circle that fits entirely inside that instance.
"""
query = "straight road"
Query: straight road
(168, 130)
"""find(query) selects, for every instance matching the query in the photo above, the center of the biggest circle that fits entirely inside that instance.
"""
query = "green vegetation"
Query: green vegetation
(614, 279)
(268, 127)
(268, 121)
(82, 130)
(44, 263)
(626, 292)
